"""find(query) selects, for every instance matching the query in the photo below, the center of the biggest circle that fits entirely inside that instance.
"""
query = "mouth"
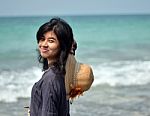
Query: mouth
(44, 50)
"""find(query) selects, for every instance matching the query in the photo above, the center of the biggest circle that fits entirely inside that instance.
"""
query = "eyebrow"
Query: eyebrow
(51, 38)
(42, 37)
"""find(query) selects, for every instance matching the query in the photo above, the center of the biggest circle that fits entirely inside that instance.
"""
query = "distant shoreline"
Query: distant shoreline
(75, 15)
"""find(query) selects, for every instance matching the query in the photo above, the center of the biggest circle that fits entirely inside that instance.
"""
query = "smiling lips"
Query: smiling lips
(44, 50)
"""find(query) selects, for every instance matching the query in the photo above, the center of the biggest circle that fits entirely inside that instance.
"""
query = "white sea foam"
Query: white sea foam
(122, 73)
(15, 84)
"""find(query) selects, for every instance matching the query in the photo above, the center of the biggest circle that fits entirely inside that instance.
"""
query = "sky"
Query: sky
(72, 7)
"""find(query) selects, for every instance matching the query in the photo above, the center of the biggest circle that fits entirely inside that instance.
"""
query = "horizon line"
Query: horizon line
(64, 15)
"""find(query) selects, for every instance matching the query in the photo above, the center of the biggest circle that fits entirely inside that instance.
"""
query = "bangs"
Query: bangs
(42, 30)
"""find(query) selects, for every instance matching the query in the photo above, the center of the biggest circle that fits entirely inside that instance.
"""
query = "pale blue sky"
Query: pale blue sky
(73, 7)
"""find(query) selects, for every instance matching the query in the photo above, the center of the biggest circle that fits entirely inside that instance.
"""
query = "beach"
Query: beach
(116, 46)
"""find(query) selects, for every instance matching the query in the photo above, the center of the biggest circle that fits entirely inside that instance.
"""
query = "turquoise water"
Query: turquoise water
(102, 37)
(116, 46)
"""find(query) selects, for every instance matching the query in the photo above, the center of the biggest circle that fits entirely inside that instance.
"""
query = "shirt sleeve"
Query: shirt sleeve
(51, 95)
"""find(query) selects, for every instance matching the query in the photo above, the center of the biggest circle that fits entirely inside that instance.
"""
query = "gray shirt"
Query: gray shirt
(48, 97)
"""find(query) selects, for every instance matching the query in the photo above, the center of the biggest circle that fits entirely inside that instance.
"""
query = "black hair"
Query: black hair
(64, 33)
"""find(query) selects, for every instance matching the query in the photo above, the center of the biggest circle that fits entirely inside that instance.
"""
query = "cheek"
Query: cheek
(39, 44)
(54, 47)
(39, 48)
(55, 50)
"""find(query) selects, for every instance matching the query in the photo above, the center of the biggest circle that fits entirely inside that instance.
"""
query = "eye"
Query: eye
(42, 39)
(51, 40)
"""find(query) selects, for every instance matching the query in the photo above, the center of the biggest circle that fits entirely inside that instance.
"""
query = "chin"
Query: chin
(44, 55)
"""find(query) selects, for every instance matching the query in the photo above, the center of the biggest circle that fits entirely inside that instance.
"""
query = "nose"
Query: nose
(44, 43)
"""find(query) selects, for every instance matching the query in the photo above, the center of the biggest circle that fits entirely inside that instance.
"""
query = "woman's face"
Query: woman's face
(49, 46)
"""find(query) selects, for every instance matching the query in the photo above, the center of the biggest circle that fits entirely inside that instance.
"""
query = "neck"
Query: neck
(51, 62)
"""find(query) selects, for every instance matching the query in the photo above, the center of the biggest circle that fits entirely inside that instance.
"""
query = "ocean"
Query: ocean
(116, 46)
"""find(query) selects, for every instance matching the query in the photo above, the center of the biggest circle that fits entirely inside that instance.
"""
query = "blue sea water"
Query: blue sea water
(116, 46)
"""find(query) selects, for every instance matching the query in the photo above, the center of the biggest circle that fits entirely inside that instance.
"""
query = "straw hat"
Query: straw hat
(79, 77)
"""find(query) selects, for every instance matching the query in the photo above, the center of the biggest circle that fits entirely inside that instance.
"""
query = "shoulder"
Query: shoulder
(52, 79)
(49, 75)
(52, 75)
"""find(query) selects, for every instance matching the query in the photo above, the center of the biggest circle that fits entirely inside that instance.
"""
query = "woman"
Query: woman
(48, 97)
